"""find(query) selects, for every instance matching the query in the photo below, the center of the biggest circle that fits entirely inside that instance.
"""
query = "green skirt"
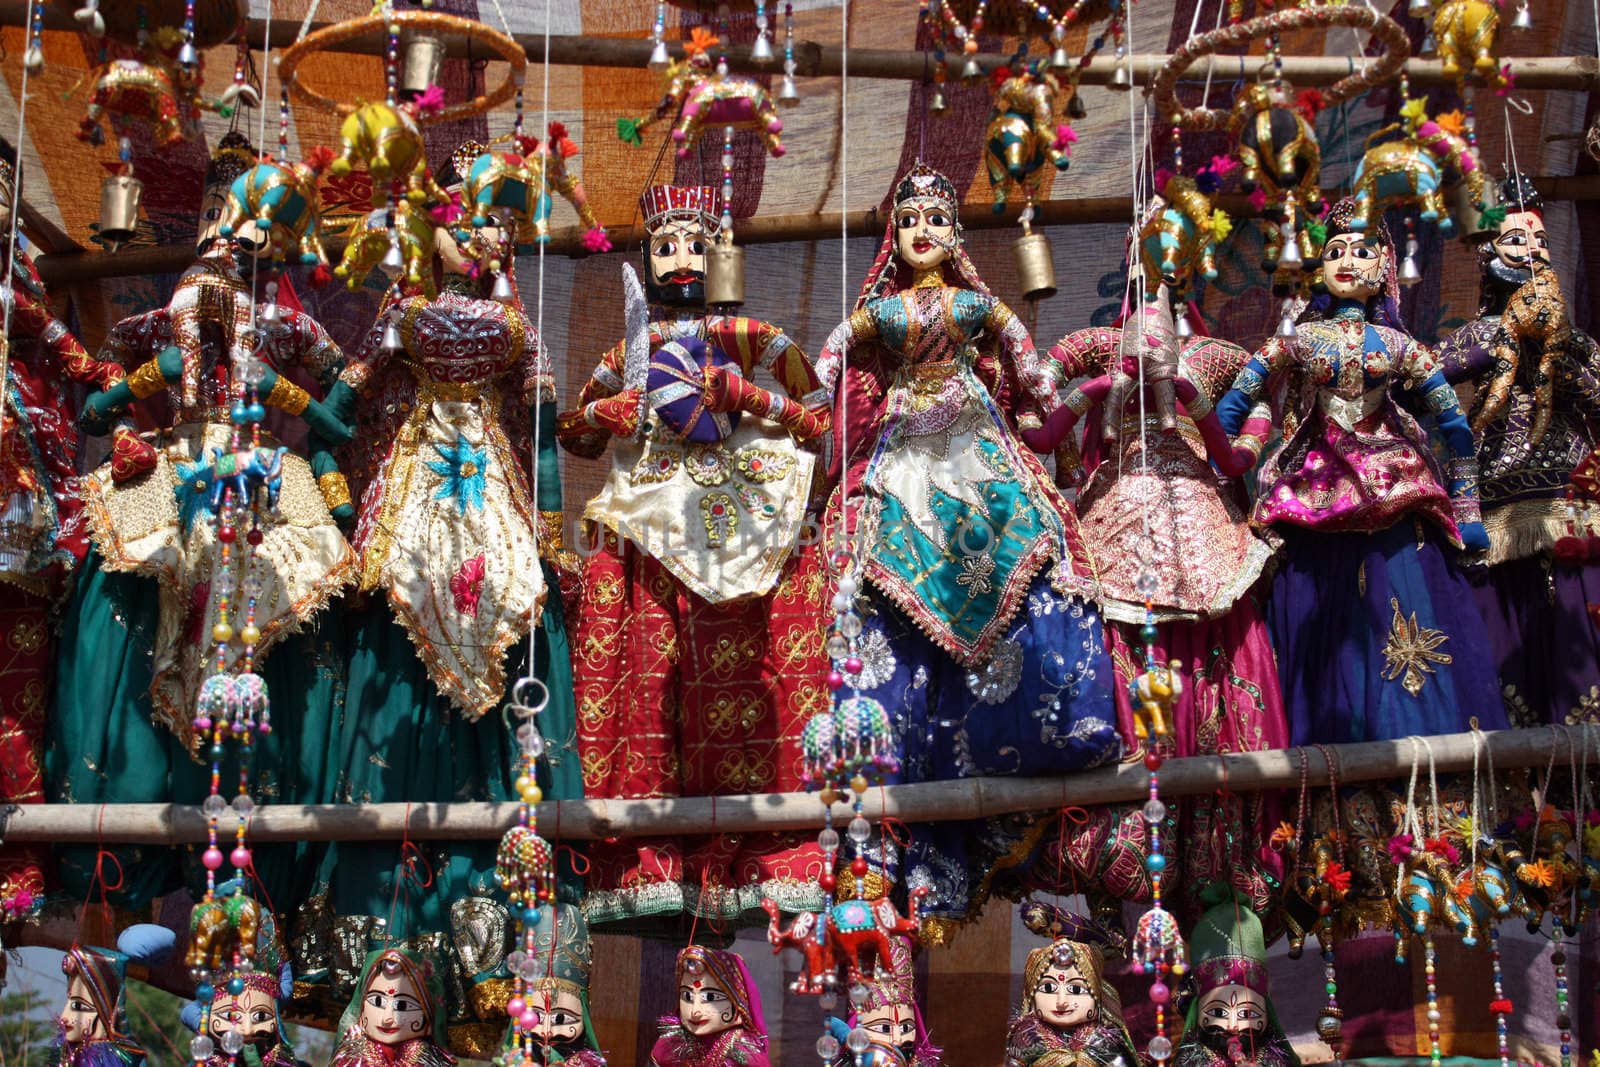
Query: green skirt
(402, 741)
(104, 747)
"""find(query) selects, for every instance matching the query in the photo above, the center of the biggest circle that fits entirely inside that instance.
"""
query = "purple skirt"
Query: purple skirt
(1379, 637)
(1544, 640)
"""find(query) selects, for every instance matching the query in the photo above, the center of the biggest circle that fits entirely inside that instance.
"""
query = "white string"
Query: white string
(1412, 824)
(311, 13)
(11, 238)
(1211, 59)
(261, 142)
(1476, 814)
(543, 137)
(842, 388)
(1433, 788)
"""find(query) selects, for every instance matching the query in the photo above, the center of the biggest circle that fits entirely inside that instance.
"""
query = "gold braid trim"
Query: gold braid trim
(147, 380)
(287, 396)
(335, 490)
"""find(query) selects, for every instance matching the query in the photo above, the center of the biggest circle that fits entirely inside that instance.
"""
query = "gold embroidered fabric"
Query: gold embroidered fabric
(303, 561)
(1412, 650)
(745, 497)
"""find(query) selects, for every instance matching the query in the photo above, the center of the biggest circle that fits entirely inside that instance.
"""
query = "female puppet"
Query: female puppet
(455, 555)
(138, 635)
(395, 1017)
(1535, 410)
(983, 648)
(92, 1029)
(719, 1021)
(1070, 1014)
(1230, 1018)
(1366, 516)
(38, 501)
(697, 645)
(1170, 533)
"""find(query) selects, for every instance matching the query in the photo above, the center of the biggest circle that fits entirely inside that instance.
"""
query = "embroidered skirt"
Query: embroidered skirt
(1378, 637)
(1545, 641)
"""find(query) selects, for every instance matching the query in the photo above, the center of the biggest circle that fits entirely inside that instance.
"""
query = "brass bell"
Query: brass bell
(419, 67)
(501, 291)
(1060, 60)
(1036, 268)
(659, 59)
(1290, 258)
(1185, 329)
(937, 105)
(1523, 19)
(1286, 328)
(724, 274)
(119, 207)
(1120, 79)
(761, 51)
(788, 91)
(1075, 108)
(393, 263)
(971, 71)
(1410, 274)
(392, 341)
(1469, 211)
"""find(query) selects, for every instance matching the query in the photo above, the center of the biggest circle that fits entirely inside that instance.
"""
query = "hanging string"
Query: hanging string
(842, 389)
(532, 674)
(7, 297)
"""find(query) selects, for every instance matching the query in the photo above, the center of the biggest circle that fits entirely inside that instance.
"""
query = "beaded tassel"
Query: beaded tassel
(1501, 1004)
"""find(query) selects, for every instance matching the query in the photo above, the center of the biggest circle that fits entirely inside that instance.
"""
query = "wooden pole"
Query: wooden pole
(819, 60)
(70, 267)
(969, 798)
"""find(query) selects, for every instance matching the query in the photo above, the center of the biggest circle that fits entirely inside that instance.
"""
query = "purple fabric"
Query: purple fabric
(1545, 643)
(1332, 616)
(677, 371)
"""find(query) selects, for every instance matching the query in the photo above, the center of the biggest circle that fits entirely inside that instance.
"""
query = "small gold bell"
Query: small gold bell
(391, 338)
(1060, 60)
(937, 105)
(1036, 269)
(761, 51)
(659, 59)
(1120, 79)
(788, 91)
(724, 274)
(1523, 19)
(971, 71)
(119, 207)
(419, 68)
(1075, 108)
(1419, 9)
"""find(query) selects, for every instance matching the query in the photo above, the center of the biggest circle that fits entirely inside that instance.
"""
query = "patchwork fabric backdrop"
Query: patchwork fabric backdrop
(805, 287)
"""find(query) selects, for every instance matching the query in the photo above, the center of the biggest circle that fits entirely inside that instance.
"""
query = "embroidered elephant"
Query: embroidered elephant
(387, 141)
(152, 88)
(245, 472)
(275, 205)
(701, 98)
(1465, 31)
(1279, 155)
(1411, 170)
(1023, 134)
(368, 240)
(1179, 237)
(524, 180)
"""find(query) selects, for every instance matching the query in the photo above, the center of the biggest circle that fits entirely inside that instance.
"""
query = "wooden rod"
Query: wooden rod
(819, 60)
(968, 798)
(67, 268)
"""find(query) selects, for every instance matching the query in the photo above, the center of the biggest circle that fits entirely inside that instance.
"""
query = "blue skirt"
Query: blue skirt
(1042, 704)
(1379, 637)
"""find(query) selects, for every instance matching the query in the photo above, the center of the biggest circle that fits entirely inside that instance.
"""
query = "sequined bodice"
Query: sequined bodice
(1346, 357)
(463, 340)
(931, 325)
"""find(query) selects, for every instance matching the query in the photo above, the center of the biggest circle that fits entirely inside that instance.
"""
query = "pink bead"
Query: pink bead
(1159, 993)
(516, 1006)
(240, 857)
(212, 859)
(835, 680)
(853, 665)
(528, 1020)
(202, 723)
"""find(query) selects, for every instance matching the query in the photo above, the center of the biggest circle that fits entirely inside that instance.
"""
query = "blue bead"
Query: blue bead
(202, 991)
(255, 412)
(534, 916)
(236, 985)
(236, 414)
(1156, 862)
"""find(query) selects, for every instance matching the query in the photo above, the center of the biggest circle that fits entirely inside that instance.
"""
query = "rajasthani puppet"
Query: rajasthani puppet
(1071, 1015)
(719, 1021)
(1230, 1018)
(92, 1029)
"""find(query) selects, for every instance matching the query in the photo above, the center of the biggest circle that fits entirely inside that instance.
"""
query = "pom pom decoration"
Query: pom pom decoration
(1024, 133)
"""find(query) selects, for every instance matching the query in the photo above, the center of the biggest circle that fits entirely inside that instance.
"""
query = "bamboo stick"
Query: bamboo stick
(818, 60)
(968, 798)
(70, 267)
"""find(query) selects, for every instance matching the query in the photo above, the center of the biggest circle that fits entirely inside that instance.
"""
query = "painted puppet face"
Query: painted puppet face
(253, 1015)
(1063, 997)
(676, 265)
(704, 1006)
(1352, 268)
(393, 1009)
(1233, 1009)
(925, 234)
(1522, 240)
(894, 1025)
(559, 1017)
(79, 1021)
(213, 205)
